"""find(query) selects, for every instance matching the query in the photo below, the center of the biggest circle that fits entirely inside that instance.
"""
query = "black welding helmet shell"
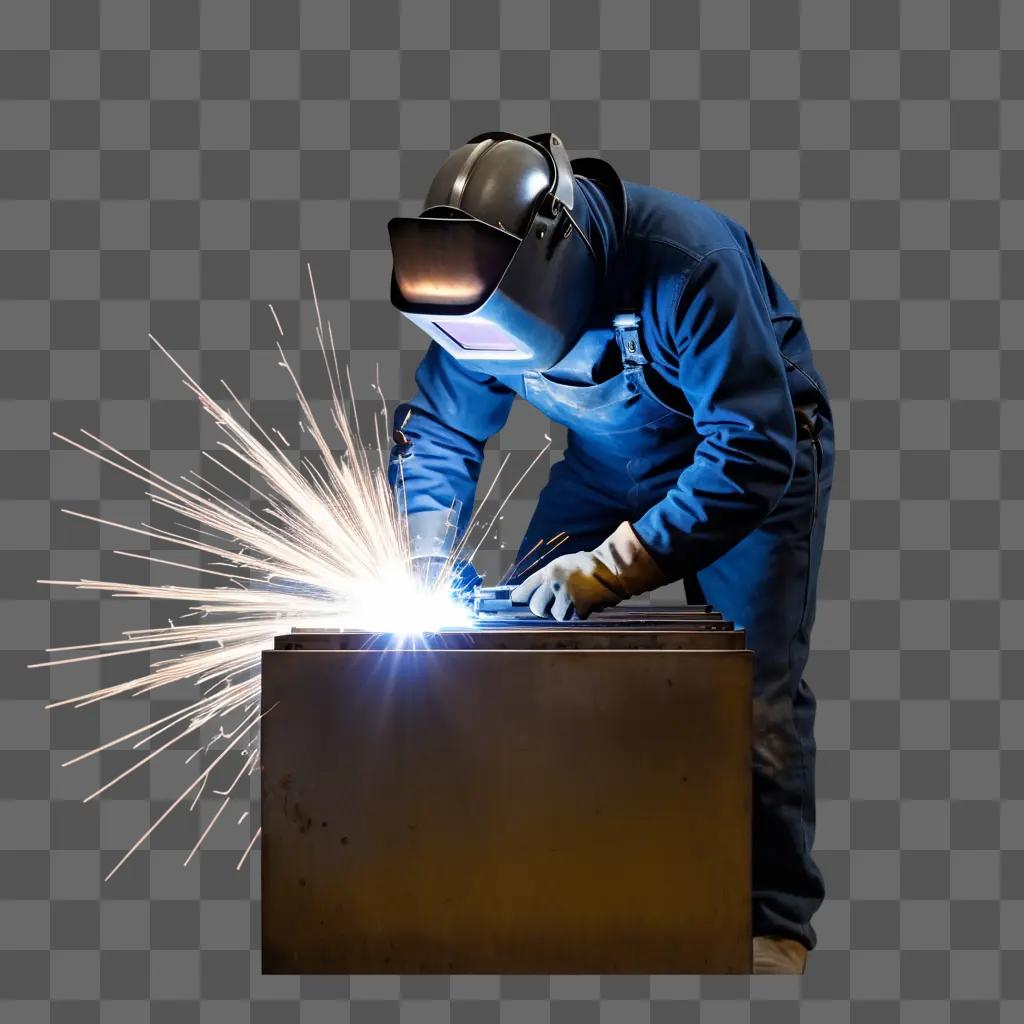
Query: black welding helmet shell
(496, 269)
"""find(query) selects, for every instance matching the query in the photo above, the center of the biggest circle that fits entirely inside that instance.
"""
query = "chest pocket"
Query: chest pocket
(622, 404)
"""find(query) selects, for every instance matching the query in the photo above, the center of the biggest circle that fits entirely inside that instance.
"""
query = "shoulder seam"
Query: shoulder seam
(685, 281)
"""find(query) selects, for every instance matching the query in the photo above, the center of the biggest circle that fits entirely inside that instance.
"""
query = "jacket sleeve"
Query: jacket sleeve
(434, 471)
(734, 378)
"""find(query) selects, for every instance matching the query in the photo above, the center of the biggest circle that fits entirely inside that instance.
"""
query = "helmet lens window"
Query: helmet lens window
(479, 336)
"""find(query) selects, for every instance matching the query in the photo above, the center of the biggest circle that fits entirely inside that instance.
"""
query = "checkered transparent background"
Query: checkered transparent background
(173, 166)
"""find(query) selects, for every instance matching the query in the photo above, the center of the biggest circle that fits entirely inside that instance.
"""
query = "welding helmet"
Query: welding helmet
(496, 269)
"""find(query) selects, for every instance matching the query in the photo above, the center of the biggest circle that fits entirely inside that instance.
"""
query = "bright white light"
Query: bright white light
(397, 602)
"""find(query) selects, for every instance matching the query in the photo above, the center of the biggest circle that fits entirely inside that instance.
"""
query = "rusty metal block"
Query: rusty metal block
(541, 801)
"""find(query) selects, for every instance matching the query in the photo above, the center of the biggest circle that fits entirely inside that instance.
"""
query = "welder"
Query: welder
(699, 435)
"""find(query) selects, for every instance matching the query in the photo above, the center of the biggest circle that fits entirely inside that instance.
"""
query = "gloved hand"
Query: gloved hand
(573, 586)
(464, 577)
(432, 536)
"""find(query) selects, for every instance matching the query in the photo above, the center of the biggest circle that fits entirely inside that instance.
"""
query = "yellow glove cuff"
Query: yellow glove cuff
(625, 555)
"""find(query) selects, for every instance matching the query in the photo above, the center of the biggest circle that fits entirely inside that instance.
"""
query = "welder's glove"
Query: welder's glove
(573, 586)
(432, 536)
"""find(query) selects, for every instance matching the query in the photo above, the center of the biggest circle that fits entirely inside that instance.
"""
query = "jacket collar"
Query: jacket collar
(601, 209)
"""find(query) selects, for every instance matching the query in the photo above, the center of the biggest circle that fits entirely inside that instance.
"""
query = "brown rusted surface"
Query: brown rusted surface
(506, 811)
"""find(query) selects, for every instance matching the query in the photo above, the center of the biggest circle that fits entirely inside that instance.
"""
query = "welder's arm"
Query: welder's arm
(734, 379)
(439, 447)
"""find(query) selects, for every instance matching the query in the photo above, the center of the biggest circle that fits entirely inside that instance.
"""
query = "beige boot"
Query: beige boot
(778, 956)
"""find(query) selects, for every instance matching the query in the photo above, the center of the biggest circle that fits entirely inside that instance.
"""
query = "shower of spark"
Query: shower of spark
(321, 544)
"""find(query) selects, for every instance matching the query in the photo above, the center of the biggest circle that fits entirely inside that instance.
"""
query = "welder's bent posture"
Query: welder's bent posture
(700, 441)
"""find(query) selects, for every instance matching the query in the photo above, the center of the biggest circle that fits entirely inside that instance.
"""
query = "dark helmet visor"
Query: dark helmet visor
(450, 263)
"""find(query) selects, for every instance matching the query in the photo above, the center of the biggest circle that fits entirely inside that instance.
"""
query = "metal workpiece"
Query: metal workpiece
(555, 800)
(493, 603)
(520, 639)
(696, 627)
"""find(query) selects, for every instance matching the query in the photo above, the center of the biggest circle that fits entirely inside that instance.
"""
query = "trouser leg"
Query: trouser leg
(767, 585)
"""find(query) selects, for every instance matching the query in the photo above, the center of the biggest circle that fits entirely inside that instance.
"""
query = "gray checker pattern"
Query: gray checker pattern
(173, 166)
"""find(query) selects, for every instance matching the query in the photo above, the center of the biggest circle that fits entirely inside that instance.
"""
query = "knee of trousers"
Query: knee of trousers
(782, 736)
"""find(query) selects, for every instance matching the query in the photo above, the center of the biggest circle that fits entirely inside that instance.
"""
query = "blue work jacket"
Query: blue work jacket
(686, 422)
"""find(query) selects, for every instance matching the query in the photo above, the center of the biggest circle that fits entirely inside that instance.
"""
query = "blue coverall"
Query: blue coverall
(702, 421)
